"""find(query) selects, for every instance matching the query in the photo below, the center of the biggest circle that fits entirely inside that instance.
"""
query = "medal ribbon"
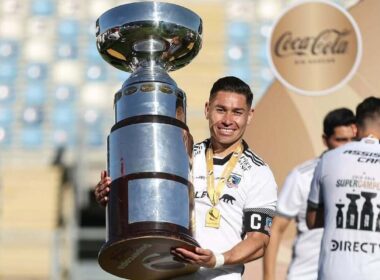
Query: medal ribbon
(214, 193)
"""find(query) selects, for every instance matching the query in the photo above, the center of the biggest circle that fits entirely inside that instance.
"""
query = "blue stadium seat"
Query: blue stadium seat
(32, 115)
(9, 50)
(42, 7)
(95, 137)
(68, 30)
(65, 94)
(8, 71)
(66, 50)
(36, 71)
(6, 115)
(63, 116)
(35, 94)
(32, 137)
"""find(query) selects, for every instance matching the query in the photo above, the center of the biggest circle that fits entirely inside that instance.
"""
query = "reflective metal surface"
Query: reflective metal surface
(150, 98)
(158, 200)
(145, 32)
(148, 147)
(151, 205)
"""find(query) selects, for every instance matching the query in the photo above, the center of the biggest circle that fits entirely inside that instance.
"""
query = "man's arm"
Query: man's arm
(314, 217)
(278, 228)
(315, 210)
(249, 249)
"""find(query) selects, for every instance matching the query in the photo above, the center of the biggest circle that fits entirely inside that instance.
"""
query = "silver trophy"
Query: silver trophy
(150, 210)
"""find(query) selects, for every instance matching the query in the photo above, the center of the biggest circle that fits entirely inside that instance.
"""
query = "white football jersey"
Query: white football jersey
(292, 203)
(247, 203)
(347, 185)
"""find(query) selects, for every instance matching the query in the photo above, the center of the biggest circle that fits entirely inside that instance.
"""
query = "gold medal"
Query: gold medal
(213, 218)
(213, 215)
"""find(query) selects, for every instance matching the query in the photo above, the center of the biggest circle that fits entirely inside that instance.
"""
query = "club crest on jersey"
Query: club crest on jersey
(234, 180)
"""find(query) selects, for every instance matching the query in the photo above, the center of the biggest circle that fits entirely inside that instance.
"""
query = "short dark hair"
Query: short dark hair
(232, 84)
(335, 118)
(368, 109)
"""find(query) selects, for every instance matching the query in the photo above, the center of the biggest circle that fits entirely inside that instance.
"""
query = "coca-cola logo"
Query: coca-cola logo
(328, 41)
(315, 47)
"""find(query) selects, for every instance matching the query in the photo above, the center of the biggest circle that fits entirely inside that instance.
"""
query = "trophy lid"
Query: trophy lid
(149, 33)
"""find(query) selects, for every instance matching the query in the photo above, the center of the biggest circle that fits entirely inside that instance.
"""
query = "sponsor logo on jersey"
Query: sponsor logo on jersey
(355, 246)
(364, 156)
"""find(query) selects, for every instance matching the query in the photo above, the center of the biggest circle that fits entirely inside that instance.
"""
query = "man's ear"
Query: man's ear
(207, 109)
(250, 115)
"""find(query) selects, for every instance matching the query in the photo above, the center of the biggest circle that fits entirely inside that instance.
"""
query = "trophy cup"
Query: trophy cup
(150, 208)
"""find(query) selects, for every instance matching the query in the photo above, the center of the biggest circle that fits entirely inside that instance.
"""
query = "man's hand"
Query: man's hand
(102, 189)
(201, 257)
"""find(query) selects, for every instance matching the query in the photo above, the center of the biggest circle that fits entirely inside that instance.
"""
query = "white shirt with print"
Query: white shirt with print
(347, 185)
(250, 186)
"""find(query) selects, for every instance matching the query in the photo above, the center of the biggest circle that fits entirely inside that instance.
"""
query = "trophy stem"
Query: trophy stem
(149, 72)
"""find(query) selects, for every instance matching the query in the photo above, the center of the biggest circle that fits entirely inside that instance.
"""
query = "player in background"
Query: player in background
(345, 200)
(338, 129)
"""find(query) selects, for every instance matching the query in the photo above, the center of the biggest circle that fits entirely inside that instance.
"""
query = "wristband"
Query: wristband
(219, 260)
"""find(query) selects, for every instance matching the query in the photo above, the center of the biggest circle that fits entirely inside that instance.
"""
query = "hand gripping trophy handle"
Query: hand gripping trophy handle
(151, 202)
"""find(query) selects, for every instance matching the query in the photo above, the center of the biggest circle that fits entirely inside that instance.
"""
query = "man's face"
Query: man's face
(228, 115)
(342, 135)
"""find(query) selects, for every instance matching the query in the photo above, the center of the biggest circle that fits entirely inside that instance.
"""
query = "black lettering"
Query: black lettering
(282, 43)
(361, 159)
(356, 245)
(334, 245)
(362, 247)
(198, 194)
(327, 42)
(347, 246)
(373, 247)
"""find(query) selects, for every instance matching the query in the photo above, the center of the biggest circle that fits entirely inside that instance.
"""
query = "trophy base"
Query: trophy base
(145, 258)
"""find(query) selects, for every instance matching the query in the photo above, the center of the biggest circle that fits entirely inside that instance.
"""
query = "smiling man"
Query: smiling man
(235, 191)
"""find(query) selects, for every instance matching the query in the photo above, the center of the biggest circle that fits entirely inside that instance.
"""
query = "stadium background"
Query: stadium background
(56, 96)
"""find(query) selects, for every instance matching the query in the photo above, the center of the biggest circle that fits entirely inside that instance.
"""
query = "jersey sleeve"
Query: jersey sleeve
(290, 199)
(261, 202)
(315, 199)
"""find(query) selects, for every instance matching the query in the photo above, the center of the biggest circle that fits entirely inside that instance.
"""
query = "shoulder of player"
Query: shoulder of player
(305, 167)
(252, 157)
(201, 146)
(335, 153)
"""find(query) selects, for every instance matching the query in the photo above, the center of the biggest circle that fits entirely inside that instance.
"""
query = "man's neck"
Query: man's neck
(221, 150)
(373, 133)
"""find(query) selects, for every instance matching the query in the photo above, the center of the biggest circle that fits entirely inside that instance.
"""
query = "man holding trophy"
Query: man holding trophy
(244, 194)
(233, 192)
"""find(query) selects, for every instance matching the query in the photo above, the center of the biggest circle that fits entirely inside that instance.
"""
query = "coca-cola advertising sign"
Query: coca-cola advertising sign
(315, 47)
